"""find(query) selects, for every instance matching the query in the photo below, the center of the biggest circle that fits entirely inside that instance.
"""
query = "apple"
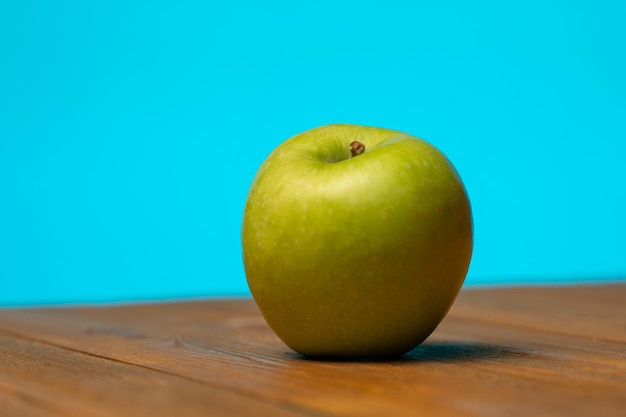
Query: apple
(356, 241)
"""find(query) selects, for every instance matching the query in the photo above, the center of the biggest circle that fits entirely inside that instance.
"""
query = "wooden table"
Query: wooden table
(557, 351)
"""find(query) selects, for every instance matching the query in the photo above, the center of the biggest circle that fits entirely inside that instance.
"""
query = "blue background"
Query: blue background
(130, 131)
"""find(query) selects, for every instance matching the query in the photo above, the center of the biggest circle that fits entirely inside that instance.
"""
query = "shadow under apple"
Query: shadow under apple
(431, 352)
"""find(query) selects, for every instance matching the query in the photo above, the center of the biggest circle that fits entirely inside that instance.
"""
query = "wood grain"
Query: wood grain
(512, 351)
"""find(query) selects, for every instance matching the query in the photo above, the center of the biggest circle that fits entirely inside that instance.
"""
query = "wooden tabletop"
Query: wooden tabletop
(558, 351)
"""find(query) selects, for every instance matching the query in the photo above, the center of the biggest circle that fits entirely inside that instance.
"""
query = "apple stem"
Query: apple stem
(356, 148)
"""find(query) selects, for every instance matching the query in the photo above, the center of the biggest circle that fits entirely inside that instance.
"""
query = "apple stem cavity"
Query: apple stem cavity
(356, 148)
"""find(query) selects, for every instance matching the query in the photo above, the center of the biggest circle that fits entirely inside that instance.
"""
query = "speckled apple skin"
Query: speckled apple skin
(356, 256)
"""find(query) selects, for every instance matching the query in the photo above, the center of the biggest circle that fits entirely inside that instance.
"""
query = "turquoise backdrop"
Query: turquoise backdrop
(130, 131)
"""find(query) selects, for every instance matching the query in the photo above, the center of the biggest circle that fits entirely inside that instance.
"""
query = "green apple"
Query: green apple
(356, 241)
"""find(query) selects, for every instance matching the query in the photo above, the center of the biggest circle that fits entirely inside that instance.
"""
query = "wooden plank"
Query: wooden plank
(14, 403)
(497, 353)
(594, 311)
(39, 379)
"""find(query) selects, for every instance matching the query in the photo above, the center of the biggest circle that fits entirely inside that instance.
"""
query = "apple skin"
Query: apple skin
(356, 256)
